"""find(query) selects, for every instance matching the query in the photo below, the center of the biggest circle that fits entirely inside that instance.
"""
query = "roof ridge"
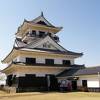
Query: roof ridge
(92, 67)
(41, 16)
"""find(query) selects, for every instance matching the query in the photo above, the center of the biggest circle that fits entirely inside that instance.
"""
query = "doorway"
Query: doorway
(74, 85)
(84, 83)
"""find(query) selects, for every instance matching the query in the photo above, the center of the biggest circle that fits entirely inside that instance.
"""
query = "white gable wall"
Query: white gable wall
(51, 46)
(45, 40)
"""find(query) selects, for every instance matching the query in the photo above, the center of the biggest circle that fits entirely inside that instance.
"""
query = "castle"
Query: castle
(38, 62)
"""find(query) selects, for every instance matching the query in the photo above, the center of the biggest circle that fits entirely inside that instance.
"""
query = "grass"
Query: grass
(50, 96)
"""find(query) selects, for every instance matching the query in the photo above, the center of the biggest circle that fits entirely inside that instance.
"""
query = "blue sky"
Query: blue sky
(80, 20)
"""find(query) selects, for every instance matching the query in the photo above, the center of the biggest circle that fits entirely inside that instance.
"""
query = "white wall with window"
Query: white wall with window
(42, 60)
(92, 81)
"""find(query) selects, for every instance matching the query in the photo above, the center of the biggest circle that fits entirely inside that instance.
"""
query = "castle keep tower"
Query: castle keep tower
(37, 57)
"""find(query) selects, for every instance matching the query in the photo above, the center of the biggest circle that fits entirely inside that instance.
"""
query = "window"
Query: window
(41, 22)
(50, 34)
(49, 45)
(49, 61)
(30, 61)
(56, 38)
(46, 45)
(33, 33)
(66, 62)
(25, 42)
(41, 34)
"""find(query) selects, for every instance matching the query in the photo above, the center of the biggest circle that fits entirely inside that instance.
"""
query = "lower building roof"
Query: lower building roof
(71, 71)
(88, 71)
(80, 70)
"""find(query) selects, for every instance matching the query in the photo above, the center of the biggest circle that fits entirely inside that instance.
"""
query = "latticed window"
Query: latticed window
(41, 34)
(49, 61)
(47, 45)
(33, 33)
(41, 22)
(44, 45)
(30, 61)
(66, 62)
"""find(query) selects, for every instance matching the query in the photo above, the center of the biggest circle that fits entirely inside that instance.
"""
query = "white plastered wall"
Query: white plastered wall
(42, 59)
(58, 61)
(92, 82)
(21, 59)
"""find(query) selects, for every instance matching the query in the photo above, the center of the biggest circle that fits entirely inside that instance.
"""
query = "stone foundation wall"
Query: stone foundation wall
(9, 89)
(86, 89)
(94, 89)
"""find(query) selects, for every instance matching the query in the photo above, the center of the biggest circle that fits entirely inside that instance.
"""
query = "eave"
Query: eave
(31, 52)
(48, 54)
(61, 49)
(10, 56)
(27, 25)
(13, 68)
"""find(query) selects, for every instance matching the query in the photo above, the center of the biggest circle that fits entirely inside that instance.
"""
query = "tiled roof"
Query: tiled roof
(24, 46)
(49, 51)
(88, 71)
(19, 43)
(58, 51)
(77, 71)
(71, 71)
(41, 16)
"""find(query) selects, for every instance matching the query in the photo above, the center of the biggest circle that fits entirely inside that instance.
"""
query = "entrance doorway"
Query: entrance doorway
(84, 83)
(74, 85)
(52, 82)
